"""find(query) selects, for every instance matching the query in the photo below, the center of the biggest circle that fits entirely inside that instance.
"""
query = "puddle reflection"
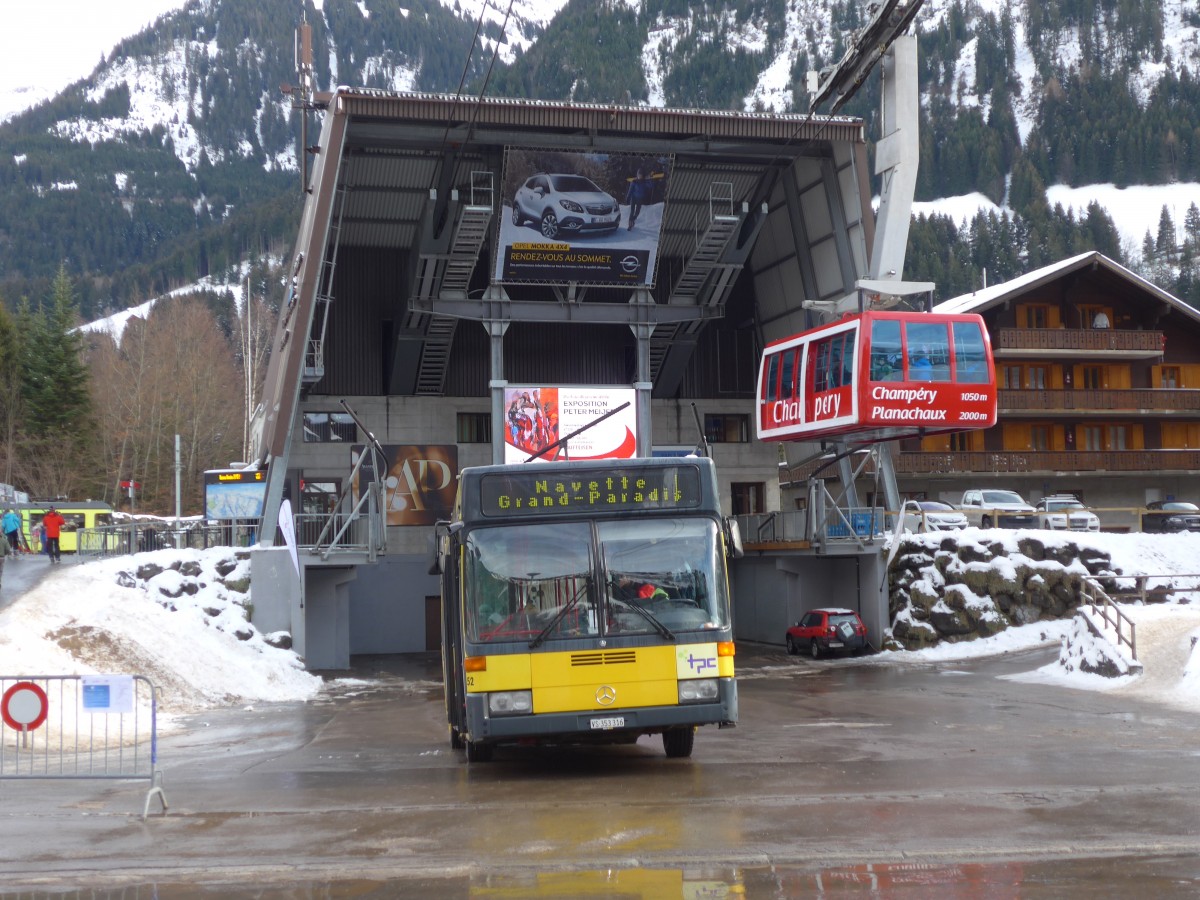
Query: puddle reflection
(1159, 877)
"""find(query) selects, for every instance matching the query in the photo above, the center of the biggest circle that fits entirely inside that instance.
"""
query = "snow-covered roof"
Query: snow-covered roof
(986, 298)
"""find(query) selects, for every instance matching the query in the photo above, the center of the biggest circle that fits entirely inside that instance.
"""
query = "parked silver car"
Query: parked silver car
(1063, 512)
(565, 204)
(931, 515)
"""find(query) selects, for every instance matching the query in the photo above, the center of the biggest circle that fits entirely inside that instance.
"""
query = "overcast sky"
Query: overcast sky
(47, 44)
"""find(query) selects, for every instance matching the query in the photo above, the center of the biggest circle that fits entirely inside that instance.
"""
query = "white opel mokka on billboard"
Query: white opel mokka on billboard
(563, 204)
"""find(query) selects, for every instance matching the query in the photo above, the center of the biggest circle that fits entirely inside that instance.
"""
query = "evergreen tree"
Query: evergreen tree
(57, 429)
(10, 389)
(1191, 226)
(1164, 244)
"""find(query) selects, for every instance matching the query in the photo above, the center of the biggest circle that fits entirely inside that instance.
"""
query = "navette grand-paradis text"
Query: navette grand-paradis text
(615, 491)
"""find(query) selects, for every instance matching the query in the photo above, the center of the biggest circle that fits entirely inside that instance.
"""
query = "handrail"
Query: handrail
(768, 520)
(1145, 594)
(1104, 606)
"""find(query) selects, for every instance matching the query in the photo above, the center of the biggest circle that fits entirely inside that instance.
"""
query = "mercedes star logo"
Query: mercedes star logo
(606, 695)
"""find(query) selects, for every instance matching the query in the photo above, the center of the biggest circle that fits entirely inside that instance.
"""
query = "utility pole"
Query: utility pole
(303, 94)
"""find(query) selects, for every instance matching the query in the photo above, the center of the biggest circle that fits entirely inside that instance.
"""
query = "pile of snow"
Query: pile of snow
(198, 648)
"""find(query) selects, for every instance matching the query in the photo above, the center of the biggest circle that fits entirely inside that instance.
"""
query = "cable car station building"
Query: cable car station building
(457, 264)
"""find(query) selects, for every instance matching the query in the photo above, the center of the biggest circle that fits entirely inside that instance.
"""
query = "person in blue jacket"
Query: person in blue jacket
(638, 195)
(11, 524)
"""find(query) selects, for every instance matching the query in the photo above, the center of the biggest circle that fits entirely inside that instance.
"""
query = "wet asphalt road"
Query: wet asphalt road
(845, 776)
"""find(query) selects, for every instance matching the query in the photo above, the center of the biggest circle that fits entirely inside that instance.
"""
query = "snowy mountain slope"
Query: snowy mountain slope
(202, 86)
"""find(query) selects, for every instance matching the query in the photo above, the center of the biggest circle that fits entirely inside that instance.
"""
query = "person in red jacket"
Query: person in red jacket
(53, 523)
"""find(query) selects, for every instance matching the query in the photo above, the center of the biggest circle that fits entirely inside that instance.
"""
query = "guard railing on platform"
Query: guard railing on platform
(81, 727)
(142, 537)
(1103, 606)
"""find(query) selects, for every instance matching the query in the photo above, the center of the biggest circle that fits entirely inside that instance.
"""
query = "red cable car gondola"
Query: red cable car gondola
(878, 376)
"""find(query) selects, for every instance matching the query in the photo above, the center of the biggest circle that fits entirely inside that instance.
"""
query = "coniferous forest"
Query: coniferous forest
(161, 201)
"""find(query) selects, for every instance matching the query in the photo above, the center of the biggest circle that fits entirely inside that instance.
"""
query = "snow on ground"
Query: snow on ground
(198, 649)
(201, 652)
(1168, 634)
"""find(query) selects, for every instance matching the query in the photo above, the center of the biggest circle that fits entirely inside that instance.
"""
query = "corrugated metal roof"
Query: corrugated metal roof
(545, 116)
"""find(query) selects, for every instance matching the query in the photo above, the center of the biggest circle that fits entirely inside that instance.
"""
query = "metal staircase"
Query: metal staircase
(313, 369)
(695, 286)
(446, 273)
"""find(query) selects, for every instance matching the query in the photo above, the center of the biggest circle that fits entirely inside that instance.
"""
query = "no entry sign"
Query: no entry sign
(24, 706)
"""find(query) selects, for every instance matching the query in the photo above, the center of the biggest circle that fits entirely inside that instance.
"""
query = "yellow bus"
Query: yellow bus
(78, 515)
(586, 602)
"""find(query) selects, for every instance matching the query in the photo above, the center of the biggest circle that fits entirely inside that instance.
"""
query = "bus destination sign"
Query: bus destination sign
(620, 489)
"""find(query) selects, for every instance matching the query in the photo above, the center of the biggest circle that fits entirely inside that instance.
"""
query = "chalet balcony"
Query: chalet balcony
(1014, 462)
(1082, 343)
(1163, 401)
(1048, 461)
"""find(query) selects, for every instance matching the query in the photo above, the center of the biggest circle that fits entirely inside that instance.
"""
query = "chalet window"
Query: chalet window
(1036, 316)
(1117, 437)
(1039, 437)
(1037, 378)
(474, 428)
(319, 498)
(1095, 317)
(324, 428)
(961, 441)
(1012, 378)
(1093, 378)
(746, 497)
(727, 429)
(1171, 377)
(1093, 437)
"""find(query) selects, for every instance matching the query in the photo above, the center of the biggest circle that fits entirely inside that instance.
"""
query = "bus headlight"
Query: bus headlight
(510, 703)
(698, 690)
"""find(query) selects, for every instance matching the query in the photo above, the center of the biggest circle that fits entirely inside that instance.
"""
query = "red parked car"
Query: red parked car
(824, 631)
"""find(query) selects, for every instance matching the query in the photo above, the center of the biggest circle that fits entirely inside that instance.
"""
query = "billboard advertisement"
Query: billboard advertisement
(234, 493)
(419, 481)
(536, 417)
(588, 218)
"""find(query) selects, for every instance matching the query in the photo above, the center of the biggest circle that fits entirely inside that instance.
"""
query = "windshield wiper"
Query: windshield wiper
(545, 632)
(649, 617)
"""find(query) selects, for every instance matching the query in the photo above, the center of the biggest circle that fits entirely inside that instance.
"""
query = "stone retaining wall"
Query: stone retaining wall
(959, 589)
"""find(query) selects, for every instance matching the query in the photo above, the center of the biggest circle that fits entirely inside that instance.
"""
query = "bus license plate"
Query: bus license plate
(836, 644)
(608, 724)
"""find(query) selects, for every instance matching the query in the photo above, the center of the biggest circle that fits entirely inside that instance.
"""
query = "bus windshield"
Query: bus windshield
(538, 581)
(671, 568)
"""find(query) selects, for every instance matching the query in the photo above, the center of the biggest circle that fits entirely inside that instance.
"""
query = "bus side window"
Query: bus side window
(771, 382)
(787, 386)
(821, 366)
(885, 350)
(848, 359)
(928, 351)
(969, 358)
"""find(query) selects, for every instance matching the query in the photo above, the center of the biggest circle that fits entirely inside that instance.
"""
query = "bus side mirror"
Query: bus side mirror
(734, 539)
(442, 530)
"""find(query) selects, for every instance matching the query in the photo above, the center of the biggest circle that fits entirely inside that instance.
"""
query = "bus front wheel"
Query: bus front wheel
(478, 752)
(678, 742)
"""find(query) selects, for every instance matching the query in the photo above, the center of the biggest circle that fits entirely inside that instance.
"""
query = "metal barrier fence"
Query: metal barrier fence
(81, 727)
(143, 537)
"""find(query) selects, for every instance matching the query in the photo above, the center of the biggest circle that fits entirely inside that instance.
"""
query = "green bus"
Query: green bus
(78, 515)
